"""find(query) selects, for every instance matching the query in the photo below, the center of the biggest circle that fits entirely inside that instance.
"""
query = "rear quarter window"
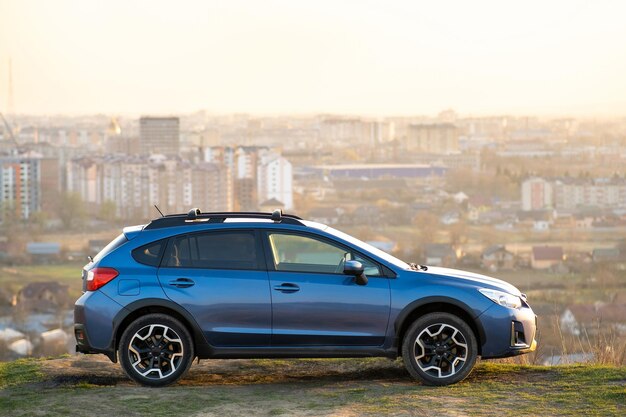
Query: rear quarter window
(149, 254)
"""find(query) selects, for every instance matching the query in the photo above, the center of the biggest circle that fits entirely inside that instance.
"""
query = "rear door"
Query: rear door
(220, 277)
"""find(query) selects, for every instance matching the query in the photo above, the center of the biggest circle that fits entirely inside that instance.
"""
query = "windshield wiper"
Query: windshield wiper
(417, 267)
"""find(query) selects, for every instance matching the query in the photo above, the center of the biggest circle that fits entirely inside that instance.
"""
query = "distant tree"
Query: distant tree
(352, 154)
(9, 218)
(427, 225)
(37, 222)
(71, 209)
(108, 211)
(483, 183)
(457, 232)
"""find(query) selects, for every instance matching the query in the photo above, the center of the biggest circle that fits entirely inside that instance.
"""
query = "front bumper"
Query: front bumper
(508, 332)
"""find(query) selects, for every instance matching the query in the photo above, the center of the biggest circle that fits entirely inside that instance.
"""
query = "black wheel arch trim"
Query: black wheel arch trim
(202, 347)
(399, 323)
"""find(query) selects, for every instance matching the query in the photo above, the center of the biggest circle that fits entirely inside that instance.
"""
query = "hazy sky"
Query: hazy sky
(368, 57)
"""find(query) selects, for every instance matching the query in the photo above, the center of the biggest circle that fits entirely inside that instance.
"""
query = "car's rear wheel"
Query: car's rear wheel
(439, 349)
(156, 350)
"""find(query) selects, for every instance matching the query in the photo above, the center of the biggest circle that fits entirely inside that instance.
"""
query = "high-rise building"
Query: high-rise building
(242, 179)
(28, 183)
(127, 145)
(537, 194)
(159, 135)
(341, 131)
(258, 174)
(212, 188)
(435, 138)
(135, 183)
(274, 179)
(245, 172)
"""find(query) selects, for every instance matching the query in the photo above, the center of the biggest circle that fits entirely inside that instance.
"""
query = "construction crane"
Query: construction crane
(8, 129)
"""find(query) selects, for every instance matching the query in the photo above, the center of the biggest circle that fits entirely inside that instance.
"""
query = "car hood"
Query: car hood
(473, 278)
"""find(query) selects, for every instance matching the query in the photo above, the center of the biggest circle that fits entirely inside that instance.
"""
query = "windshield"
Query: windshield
(366, 246)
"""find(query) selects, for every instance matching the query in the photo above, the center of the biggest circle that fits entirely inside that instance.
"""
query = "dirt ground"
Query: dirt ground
(90, 385)
(246, 379)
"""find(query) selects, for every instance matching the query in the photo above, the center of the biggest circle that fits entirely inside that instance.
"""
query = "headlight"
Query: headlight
(502, 298)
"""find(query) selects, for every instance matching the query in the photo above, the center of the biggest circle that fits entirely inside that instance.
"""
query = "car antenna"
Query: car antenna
(160, 212)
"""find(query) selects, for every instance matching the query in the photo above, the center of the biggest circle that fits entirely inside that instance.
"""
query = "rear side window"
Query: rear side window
(114, 244)
(178, 254)
(216, 250)
(149, 254)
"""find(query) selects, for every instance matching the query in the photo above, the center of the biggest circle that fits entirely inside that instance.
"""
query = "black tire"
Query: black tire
(447, 350)
(156, 350)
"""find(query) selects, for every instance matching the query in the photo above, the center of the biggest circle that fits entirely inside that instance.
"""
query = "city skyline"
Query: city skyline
(283, 58)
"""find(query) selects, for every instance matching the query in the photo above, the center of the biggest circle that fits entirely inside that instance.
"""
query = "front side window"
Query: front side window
(297, 253)
(216, 250)
(371, 268)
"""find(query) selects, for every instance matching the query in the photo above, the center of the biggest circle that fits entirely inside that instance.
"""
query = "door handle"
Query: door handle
(287, 287)
(182, 283)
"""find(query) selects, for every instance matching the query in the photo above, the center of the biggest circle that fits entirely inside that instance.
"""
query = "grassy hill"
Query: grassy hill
(91, 386)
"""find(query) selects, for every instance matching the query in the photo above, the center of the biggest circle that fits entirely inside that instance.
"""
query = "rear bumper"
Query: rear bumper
(93, 324)
(83, 346)
(508, 332)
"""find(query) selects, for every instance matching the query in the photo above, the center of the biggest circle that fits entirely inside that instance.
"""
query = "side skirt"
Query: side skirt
(299, 352)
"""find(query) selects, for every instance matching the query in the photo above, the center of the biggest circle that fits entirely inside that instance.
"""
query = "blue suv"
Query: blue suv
(261, 285)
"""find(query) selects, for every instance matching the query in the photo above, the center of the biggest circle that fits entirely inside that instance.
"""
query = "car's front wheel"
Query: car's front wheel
(156, 350)
(439, 349)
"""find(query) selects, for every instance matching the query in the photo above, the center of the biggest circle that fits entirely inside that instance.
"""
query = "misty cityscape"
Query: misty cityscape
(539, 201)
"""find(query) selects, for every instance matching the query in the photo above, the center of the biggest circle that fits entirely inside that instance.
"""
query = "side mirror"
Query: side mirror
(355, 268)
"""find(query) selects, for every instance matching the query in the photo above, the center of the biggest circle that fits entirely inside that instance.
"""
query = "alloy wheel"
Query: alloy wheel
(440, 350)
(155, 351)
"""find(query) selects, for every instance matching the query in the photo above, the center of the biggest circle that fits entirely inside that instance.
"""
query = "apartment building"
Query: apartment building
(258, 174)
(233, 179)
(434, 138)
(135, 184)
(537, 194)
(28, 183)
(159, 135)
(571, 193)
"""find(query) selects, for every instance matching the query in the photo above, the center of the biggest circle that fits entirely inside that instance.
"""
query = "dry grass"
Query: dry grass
(92, 386)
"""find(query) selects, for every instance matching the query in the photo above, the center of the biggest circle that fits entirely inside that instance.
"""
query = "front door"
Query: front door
(314, 303)
(221, 279)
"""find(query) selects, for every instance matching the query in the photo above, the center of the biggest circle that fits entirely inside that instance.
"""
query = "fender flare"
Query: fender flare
(438, 299)
(202, 346)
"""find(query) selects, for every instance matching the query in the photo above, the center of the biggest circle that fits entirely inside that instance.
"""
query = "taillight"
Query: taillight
(98, 277)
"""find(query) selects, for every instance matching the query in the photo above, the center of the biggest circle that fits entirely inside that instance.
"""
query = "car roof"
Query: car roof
(195, 216)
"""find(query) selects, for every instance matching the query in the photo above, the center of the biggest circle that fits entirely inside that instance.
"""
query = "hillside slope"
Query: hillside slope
(92, 386)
